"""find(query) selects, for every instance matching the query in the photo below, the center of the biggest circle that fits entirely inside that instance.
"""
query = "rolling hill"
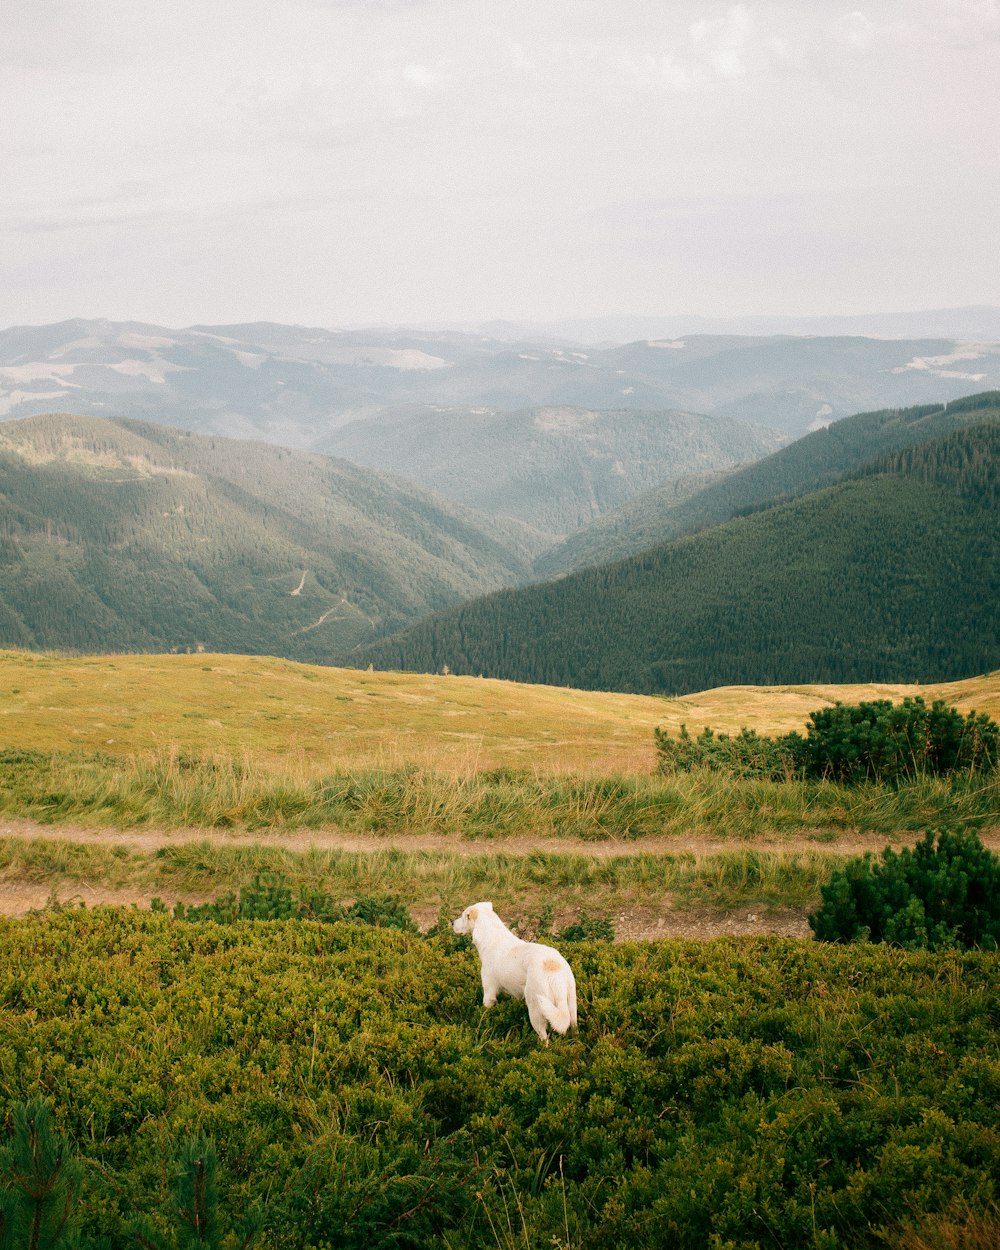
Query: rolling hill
(893, 575)
(555, 468)
(293, 385)
(819, 459)
(117, 535)
(311, 720)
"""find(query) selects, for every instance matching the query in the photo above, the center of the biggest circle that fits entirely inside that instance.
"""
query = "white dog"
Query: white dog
(527, 970)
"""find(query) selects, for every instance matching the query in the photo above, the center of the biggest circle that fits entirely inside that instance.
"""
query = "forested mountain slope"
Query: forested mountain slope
(123, 536)
(817, 460)
(555, 468)
(890, 576)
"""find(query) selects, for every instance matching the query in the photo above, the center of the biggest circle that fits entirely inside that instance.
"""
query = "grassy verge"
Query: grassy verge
(169, 789)
(523, 886)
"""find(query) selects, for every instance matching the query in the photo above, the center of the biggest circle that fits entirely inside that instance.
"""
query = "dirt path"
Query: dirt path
(18, 896)
(149, 840)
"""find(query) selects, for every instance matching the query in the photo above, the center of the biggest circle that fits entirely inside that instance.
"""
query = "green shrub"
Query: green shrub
(385, 912)
(193, 1213)
(749, 754)
(934, 897)
(882, 741)
(848, 743)
(39, 1178)
(589, 929)
(270, 897)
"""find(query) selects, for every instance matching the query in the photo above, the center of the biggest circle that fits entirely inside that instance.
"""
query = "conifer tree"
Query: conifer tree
(194, 1213)
(39, 1179)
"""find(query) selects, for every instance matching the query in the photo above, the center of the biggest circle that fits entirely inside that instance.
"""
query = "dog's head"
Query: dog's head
(466, 922)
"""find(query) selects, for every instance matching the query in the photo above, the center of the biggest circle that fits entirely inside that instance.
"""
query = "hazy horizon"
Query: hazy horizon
(418, 162)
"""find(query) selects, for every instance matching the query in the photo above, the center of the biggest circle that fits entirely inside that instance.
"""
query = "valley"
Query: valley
(270, 719)
(822, 562)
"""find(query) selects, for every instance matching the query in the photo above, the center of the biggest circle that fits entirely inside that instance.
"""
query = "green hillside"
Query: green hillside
(892, 576)
(812, 462)
(556, 468)
(118, 535)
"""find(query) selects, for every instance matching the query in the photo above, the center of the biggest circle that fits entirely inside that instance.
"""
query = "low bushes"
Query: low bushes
(729, 1094)
(875, 741)
(269, 896)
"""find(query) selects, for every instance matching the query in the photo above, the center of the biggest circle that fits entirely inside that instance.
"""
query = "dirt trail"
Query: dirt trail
(334, 839)
(18, 896)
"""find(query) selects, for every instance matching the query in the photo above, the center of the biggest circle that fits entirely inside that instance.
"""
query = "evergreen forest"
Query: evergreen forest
(118, 535)
(818, 459)
(891, 574)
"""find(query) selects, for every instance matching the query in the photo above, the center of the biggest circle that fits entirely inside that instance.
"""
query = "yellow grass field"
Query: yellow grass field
(313, 719)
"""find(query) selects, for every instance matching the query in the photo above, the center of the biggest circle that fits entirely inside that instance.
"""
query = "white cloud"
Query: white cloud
(857, 30)
(419, 76)
(973, 19)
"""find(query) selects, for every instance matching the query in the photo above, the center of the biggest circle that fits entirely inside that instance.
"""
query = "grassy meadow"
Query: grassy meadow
(432, 788)
(307, 720)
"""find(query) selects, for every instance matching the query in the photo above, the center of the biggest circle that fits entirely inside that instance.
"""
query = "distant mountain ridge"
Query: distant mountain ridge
(293, 385)
(555, 468)
(978, 321)
(891, 573)
(118, 535)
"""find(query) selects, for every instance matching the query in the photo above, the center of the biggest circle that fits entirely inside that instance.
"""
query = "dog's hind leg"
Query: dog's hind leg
(538, 1019)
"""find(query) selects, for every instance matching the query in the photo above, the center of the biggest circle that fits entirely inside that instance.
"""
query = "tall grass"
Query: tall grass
(53, 860)
(172, 790)
(522, 885)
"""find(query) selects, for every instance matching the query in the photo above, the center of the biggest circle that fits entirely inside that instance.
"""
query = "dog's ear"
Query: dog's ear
(472, 913)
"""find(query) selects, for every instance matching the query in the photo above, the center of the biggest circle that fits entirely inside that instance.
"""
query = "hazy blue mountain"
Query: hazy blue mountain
(556, 468)
(293, 385)
(132, 536)
(974, 323)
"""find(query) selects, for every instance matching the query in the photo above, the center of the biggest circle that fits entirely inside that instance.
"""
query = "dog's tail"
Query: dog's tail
(559, 1018)
(560, 1014)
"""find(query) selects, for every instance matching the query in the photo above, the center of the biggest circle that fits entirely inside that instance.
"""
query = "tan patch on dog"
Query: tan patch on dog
(551, 965)
(472, 913)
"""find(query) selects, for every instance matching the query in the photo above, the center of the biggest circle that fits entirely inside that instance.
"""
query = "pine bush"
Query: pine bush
(748, 754)
(39, 1179)
(270, 897)
(886, 742)
(876, 741)
(940, 894)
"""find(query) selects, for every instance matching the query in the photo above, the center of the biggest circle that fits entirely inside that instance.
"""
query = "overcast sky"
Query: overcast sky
(336, 162)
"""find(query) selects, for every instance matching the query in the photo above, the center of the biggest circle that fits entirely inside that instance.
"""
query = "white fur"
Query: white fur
(527, 970)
